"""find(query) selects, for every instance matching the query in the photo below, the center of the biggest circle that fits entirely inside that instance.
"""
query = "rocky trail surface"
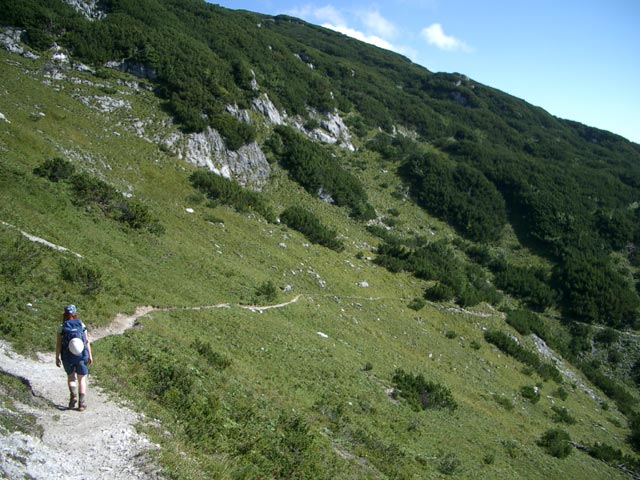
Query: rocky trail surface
(99, 443)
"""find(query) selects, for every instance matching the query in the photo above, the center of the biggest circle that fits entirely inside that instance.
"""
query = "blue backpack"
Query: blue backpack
(71, 329)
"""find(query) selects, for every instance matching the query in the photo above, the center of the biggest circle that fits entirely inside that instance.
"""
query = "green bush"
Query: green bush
(228, 192)
(561, 393)
(310, 226)
(449, 464)
(503, 401)
(320, 173)
(86, 277)
(526, 322)
(556, 443)
(562, 415)
(457, 280)
(634, 437)
(439, 292)
(459, 194)
(511, 347)
(216, 360)
(530, 393)
(607, 336)
(529, 284)
(417, 304)
(615, 390)
(55, 169)
(88, 191)
(235, 132)
(422, 394)
(266, 293)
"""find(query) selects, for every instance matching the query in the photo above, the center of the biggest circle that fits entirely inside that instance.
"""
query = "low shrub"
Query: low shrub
(90, 192)
(228, 192)
(556, 442)
(417, 304)
(504, 402)
(55, 169)
(615, 457)
(449, 464)
(266, 293)
(320, 173)
(562, 415)
(530, 393)
(310, 226)
(422, 394)
(512, 448)
(216, 360)
(512, 348)
(561, 393)
(86, 277)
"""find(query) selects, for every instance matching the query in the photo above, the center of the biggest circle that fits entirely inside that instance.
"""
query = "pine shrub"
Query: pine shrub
(556, 442)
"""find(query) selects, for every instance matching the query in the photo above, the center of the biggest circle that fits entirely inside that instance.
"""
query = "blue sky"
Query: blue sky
(577, 59)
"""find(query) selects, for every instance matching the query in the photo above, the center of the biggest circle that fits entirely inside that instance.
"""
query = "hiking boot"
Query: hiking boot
(82, 407)
(72, 401)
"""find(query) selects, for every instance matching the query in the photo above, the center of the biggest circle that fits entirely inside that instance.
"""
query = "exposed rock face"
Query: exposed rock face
(137, 69)
(10, 39)
(332, 130)
(248, 165)
(89, 8)
(239, 113)
(266, 107)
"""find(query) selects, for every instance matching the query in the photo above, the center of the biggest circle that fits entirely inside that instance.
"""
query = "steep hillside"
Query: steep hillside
(463, 265)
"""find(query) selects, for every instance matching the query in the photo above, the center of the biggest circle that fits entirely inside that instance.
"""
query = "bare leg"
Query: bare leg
(82, 384)
(72, 381)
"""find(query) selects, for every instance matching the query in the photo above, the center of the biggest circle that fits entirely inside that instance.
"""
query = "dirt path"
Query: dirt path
(100, 443)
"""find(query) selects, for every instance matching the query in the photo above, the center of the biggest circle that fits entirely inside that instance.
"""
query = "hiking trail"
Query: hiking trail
(103, 439)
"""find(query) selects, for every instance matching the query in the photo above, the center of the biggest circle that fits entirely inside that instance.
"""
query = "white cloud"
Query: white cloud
(378, 24)
(435, 36)
(358, 35)
(327, 13)
(377, 29)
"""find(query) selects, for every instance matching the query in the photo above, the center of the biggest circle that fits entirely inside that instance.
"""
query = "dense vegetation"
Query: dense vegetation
(89, 192)
(319, 172)
(310, 226)
(227, 192)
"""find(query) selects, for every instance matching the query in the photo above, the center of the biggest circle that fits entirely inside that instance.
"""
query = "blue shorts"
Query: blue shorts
(75, 366)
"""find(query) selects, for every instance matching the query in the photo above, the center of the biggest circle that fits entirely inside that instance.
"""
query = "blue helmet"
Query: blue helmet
(70, 309)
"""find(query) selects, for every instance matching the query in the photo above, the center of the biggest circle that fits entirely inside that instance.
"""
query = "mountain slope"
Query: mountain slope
(313, 389)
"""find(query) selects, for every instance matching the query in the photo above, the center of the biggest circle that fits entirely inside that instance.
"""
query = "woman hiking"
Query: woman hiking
(73, 351)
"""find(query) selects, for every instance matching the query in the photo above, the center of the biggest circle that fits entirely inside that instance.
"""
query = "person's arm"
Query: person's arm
(58, 349)
(90, 360)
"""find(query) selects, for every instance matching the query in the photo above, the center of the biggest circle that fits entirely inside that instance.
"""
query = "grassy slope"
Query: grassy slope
(279, 362)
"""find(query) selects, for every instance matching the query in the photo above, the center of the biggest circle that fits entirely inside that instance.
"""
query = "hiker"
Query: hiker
(73, 351)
